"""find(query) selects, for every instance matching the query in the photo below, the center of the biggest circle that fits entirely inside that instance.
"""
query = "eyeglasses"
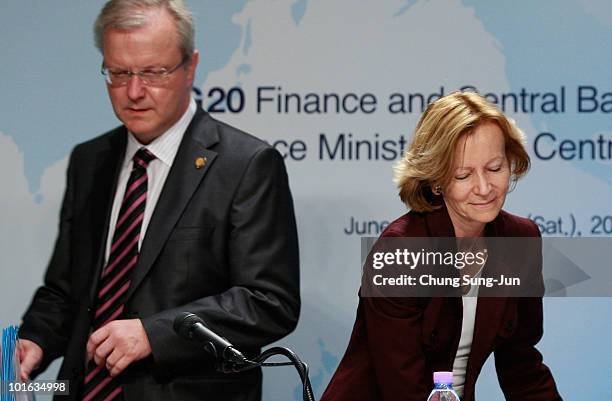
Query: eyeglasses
(150, 76)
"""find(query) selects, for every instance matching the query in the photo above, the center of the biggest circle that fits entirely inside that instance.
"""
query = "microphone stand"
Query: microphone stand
(229, 359)
(225, 366)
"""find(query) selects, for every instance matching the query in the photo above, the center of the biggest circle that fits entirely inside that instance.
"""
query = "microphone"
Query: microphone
(191, 327)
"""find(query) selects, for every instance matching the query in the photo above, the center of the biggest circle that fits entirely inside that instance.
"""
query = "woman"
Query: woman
(454, 177)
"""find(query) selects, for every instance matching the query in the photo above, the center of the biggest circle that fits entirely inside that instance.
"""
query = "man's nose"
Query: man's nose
(135, 88)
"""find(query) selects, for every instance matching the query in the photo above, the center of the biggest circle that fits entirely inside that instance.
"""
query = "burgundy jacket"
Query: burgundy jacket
(397, 343)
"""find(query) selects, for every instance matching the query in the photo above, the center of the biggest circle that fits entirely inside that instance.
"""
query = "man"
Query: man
(173, 211)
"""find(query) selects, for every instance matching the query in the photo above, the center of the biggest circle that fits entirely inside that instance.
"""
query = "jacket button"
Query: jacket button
(509, 325)
(432, 336)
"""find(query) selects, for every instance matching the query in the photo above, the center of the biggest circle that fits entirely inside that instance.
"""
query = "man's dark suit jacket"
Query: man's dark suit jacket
(221, 243)
(397, 343)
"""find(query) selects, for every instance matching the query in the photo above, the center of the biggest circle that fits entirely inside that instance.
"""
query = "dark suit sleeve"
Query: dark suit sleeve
(394, 332)
(262, 302)
(48, 320)
(522, 374)
(385, 359)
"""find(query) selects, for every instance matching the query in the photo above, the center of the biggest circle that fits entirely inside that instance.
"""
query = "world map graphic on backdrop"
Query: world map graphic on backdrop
(261, 50)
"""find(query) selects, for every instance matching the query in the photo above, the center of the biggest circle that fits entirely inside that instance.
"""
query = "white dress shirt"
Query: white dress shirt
(470, 303)
(164, 148)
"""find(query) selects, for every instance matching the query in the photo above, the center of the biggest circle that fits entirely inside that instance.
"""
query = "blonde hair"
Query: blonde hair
(130, 14)
(430, 157)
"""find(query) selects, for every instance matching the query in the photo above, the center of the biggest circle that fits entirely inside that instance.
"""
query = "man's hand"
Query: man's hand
(30, 356)
(118, 344)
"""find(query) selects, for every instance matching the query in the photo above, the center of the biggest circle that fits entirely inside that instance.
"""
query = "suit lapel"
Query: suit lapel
(108, 166)
(182, 181)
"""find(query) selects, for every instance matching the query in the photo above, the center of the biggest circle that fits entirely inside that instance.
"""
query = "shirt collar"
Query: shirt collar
(166, 145)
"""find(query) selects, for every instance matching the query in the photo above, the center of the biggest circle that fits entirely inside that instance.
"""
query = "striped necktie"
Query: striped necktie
(117, 274)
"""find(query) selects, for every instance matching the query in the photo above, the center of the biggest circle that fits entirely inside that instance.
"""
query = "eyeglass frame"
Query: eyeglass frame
(162, 73)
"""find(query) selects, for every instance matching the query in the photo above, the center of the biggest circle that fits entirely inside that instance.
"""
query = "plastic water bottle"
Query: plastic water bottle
(443, 387)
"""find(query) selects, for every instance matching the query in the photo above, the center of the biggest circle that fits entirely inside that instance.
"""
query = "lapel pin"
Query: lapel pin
(200, 162)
